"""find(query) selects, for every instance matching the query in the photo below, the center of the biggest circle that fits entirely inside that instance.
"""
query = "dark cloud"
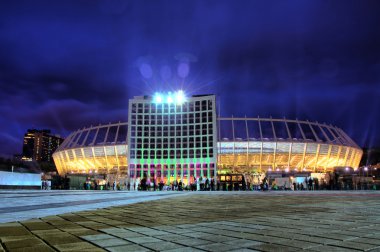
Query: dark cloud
(69, 64)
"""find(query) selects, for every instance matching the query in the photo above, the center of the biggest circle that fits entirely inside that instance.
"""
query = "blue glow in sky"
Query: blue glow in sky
(69, 64)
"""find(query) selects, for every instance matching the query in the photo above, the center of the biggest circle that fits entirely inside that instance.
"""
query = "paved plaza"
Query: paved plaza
(189, 221)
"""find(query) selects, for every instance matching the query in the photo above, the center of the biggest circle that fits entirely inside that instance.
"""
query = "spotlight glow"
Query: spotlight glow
(157, 98)
(180, 97)
(169, 98)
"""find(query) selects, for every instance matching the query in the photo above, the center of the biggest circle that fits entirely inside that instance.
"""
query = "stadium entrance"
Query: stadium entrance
(232, 182)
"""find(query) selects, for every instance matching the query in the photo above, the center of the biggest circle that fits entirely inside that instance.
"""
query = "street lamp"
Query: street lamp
(366, 169)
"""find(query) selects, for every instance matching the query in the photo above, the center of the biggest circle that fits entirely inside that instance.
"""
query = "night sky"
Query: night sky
(69, 64)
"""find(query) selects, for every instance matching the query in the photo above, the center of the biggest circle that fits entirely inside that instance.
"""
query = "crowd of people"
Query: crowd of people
(199, 184)
(330, 182)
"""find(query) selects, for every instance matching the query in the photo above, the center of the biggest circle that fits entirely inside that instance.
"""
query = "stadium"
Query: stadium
(173, 137)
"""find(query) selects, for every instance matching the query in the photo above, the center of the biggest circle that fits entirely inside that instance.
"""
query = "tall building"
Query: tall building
(171, 136)
(39, 145)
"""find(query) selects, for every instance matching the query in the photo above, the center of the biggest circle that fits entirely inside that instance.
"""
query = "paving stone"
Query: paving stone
(171, 237)
(192, 242)
(97, 237)
(10, 224)
(183, 249)
(215, 247)
(162, 245)
(78, 246)
(273, 247)
(122, 233)
(267, 239)
(155, 233)
(242, 243)
(320, 240)
(367, 240)
(340, 237)
(113, 230)
(128, 234)
(297, 244)
(48, 232)
(141, 240)
(218, 238)
(94, 250)
(332, 249)
(60, 239)
(36, 248)
(82, 232)
(195, 234)
(110, 242)
(28, 242)
(243, 250)
(16, 238)
(126, 248)
(38, 226)
(13, 231)
(355, 245)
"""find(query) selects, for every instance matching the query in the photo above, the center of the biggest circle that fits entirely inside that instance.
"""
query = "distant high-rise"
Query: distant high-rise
(39, 145)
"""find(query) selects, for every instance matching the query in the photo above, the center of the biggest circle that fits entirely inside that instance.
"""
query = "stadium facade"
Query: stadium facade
(173, 137)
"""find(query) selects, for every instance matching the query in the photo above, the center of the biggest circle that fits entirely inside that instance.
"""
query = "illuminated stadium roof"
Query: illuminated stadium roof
(244, 145)
(230, 129)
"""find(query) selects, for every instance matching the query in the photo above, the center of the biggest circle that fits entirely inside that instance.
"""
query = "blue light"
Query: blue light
(157, 98)
(170, 98)
(180, 97)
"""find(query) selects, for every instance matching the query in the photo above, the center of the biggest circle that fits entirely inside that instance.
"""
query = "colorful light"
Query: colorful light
(178, 97)
(157, 98)
(169, 98)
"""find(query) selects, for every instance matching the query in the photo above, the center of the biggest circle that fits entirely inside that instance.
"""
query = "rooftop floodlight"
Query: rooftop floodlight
(157, 98)
(169, 99)
(180, 97)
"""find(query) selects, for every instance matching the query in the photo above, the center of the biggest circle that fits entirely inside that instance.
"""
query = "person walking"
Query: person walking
(202, 183)
(180, 184)
(310, 184)
(207, 185)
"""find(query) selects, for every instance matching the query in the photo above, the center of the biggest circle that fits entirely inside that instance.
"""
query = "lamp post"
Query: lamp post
(366, 169)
